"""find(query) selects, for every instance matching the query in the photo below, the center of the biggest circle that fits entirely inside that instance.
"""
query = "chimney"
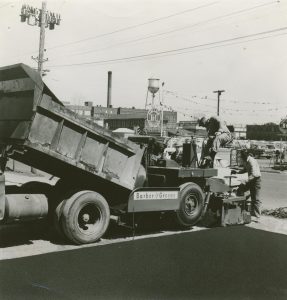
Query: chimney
(109, 97)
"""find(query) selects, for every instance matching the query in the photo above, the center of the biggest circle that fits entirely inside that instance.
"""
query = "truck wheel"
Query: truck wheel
(56, 216)
(85, 217)
(191, 204)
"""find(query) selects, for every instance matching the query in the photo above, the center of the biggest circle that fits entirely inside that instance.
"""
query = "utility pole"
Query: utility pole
(42, 38)
(219, 92)
(43, 19)
(161, 112)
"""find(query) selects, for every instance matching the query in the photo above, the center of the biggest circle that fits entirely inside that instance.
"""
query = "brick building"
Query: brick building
(267, 132)
(122, 117)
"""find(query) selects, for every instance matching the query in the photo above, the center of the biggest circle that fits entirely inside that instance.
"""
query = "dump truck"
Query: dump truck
(102, 177)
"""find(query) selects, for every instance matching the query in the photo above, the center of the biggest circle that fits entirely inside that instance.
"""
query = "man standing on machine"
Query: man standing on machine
(218, 135)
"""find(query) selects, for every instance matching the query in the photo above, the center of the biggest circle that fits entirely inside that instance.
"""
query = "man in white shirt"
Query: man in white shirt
(253, 183)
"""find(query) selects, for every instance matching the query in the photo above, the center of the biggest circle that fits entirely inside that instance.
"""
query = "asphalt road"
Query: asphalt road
(274, 190)
(222, 263)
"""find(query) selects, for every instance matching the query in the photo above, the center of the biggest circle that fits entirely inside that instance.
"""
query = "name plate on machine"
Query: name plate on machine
(159, 195)
(154, 199)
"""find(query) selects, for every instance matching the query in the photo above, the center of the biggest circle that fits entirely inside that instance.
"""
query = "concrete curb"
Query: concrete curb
(273, 171)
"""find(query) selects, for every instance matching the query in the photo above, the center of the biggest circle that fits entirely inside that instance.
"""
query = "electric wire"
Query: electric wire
(131, 27)
(175, 30)
(172, 50)
(158, 19)
(195, 50)
(204, 97)
(117, 31)
(192, 102)
(211, 109)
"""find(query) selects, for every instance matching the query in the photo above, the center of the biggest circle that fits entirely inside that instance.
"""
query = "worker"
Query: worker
(218, 136)
(253, 183)
(177, 154)
(277, 155)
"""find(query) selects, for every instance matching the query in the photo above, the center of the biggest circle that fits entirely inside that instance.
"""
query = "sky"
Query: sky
(193, 47)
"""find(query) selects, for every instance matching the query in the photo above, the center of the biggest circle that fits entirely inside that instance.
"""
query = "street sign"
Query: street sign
(283, 126)
(153, 118)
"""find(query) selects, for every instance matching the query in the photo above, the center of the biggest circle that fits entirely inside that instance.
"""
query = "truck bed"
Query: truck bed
(38, 130)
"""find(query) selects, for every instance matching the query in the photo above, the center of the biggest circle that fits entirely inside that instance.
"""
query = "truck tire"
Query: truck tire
(191, 205)
(56, 211)
(85, 217)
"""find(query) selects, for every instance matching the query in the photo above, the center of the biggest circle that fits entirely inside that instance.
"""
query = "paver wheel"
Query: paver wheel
(85, 217)
(191, 204)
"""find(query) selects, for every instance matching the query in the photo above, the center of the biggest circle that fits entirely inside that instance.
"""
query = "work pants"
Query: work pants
(254, 186)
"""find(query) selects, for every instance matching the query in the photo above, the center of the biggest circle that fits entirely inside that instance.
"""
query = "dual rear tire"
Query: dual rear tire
(82, 218)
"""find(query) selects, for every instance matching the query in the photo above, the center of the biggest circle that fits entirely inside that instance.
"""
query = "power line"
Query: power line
(247, 102)
(176, 30)
(251, 113)
(228, 110)
(116, 31)
(184, 111)
(224, 109)
(256, 103)
(174, 94)
(163, 33)
(255, 110)
(236, 109)
(196, 50)
(132, 27)
(204, 97)
(173, 50)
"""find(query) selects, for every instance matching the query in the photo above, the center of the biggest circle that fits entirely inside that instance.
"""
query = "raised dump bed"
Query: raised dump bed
(37, 129)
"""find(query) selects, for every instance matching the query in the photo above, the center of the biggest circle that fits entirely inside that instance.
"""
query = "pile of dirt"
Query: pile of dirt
(280, 212)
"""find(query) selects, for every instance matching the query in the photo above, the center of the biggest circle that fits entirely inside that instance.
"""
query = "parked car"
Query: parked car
(269, 150)
(257, 151)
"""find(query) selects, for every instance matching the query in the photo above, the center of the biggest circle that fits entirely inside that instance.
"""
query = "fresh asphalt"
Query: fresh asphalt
(223, 263)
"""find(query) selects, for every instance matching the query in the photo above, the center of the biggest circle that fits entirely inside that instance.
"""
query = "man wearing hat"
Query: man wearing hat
(218, 135)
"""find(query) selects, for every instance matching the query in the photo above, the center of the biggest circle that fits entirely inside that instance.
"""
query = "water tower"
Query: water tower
(153, 87)
(154, 119)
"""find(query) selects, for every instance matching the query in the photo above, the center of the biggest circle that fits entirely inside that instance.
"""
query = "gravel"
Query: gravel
(280, 212)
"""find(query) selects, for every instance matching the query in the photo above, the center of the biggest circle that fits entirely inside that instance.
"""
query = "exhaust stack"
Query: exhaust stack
(109, 96)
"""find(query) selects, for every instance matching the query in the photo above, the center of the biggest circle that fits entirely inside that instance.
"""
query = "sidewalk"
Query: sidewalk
(271, 224)
(271, 170)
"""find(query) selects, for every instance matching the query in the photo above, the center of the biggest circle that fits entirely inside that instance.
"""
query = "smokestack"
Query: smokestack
(109, 97)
